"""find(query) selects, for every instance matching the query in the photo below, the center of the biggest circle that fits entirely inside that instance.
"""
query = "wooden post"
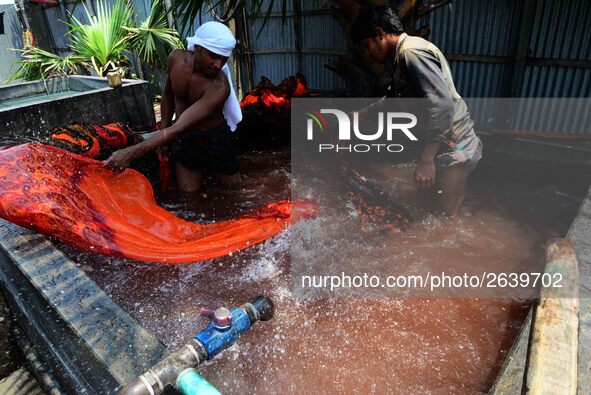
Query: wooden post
(297, 30)
(235, 64)
(521, 53)
(169, 14)
(552, 367)
(246, 60)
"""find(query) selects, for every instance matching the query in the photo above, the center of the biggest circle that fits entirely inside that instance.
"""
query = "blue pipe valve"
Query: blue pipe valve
(178, 368)
(221, 317)
(226, 326)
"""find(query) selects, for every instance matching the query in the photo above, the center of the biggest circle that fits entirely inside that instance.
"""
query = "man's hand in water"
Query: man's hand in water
(425, 174)
(425, 171)
(120, 159)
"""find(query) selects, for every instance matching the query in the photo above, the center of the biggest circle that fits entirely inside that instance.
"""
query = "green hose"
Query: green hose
(189, 382)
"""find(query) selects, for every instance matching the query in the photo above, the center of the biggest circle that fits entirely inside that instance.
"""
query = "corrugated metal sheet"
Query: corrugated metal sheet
(274, 66)
(323, 31)
(491, 28)
(56, 16)
(317, 75)
(10, 39)
(320, 38)
(544, 81)
(483, 27)
(566, 115)
(276, 34)
(559, 115)
(560, 31)
(487, 28)
(477, 79)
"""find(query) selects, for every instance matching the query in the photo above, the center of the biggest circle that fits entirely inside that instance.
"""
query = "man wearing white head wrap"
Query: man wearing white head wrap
(217, 38)
(199, 90)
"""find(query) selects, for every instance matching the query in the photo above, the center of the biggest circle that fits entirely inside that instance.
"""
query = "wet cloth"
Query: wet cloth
(467, 151)
(91, 140)
(78, 201)
(217, 38)
(213, 150)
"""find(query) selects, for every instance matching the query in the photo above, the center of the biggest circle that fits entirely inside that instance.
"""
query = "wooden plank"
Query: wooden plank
(580, 235)
(552, 367)
(528, 12)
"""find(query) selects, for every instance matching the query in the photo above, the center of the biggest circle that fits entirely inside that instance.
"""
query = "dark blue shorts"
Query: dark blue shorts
(214, 150)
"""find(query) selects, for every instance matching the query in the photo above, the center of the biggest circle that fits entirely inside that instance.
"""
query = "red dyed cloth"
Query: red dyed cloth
(91, 140)
(79, 202)
(276, 98)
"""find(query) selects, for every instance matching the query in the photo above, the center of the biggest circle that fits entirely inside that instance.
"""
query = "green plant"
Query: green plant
(103, 40)
(39, 64)
(188, 10)
(153, 40)
(103, 44)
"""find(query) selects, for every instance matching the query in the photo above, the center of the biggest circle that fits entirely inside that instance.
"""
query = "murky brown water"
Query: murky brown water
(348, 345)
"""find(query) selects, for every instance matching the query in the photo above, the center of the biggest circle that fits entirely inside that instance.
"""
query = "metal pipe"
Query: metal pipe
(222, 332)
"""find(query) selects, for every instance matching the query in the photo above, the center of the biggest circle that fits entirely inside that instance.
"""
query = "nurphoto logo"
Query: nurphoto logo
(388, 123)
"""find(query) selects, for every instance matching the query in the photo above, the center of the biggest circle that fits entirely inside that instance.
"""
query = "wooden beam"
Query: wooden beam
(552, 367)
(477, 58)
(528, 13)
(582, 64)
(318, 51)
(297, 29)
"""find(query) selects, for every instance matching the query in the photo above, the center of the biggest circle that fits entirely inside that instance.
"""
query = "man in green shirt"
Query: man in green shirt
(419, 70)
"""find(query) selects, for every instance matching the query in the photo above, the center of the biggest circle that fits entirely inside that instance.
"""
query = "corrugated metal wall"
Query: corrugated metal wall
(56, 16)
(481, 39)
(561, 31)
(305, 41)
(11, 38)
(490, 50)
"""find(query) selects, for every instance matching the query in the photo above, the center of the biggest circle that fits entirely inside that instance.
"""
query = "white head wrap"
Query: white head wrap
(217, 38)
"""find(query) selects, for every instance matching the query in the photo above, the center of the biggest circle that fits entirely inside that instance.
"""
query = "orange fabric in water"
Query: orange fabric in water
(79, 202)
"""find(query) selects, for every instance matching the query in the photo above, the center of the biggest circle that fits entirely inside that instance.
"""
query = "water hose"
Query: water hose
(190, 382)
(178, 368)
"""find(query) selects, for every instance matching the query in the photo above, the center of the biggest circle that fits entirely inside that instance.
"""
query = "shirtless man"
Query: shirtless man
(198, 90)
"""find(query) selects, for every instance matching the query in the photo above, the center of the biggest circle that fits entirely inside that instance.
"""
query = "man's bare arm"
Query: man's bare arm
(190, 119)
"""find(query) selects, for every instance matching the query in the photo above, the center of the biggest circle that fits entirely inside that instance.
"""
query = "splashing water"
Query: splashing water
(381, 345)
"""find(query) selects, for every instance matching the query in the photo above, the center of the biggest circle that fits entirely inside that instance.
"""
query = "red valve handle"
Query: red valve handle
(207, 312)
(218, 321)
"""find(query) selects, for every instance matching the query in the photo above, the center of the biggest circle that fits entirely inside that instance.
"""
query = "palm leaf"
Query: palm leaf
(103, 39)
(39, 64)
(153, 40)
(188, 10)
